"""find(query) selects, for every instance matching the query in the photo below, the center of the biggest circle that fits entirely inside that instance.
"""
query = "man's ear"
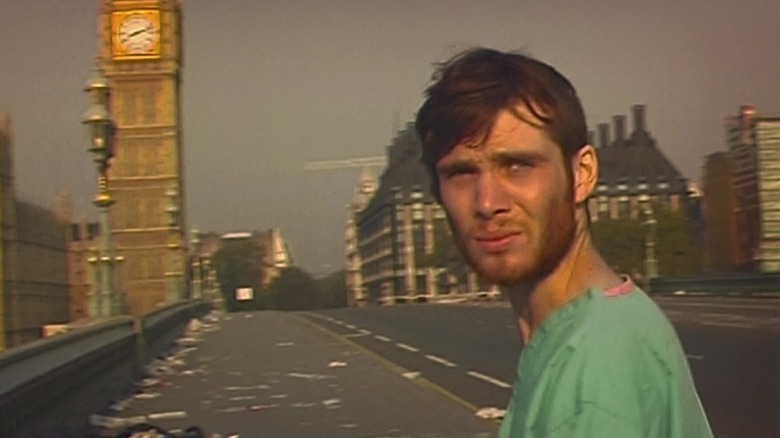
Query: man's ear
(585, 167)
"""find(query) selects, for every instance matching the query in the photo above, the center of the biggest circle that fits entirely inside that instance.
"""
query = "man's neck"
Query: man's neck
(580, 269)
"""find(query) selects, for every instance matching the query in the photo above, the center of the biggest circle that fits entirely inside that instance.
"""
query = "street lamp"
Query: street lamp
(172, 210)
(104, 299)
(651, 263)
(196, 267)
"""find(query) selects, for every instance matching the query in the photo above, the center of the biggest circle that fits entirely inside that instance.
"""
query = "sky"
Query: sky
(270, 85)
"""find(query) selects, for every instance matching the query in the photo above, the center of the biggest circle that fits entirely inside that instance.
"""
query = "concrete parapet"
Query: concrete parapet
(50, 387)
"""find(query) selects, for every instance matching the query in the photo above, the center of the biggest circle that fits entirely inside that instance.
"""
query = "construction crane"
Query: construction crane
(367, 180)
(365, 162)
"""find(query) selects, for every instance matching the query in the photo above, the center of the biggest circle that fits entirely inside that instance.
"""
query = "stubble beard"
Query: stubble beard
(554, 241)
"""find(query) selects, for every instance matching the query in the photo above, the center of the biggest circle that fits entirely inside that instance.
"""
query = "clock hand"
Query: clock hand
(132, 34)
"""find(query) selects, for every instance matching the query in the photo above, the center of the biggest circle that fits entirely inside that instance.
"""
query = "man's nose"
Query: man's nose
(491, 196)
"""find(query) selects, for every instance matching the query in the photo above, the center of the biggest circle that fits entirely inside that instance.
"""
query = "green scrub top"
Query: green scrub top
(607, 364)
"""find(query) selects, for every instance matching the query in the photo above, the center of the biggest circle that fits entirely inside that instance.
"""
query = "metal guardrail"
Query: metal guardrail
(723, 284)
(50, 387)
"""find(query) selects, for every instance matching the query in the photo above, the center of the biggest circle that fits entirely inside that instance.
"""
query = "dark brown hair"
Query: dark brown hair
(471, 89)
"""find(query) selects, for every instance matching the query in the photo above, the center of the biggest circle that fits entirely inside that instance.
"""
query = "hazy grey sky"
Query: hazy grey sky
(269, 85)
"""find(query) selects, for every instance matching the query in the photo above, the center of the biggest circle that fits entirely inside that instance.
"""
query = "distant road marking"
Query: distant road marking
(364, 331)
(440, 360)
(382, 338)
(350, 326)
(338, 321)
(491, 380)
(694, 356)
(729, 324)
(406, 347)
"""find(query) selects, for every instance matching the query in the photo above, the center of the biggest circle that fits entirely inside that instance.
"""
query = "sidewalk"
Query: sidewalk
(274, 374)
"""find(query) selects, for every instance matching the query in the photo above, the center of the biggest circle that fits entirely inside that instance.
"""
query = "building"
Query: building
(754, 208)
(403, 236)
(33, 268)
(721, 234)
(634, 173)
(274, 251)
(356, 292)
(140, 51)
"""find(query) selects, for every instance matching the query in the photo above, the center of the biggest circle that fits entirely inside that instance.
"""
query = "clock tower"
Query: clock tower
(140, 51)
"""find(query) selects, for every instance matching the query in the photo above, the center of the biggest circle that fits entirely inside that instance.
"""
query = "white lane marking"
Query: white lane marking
(350, 326)
(406, 347)
(382, 338)
(355, 335)
(694, 356)
(440, 360)
(364, 332)
(729, 324)
(491, 380)
(338, 321)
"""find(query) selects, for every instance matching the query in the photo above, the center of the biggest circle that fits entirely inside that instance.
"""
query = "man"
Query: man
(505, 140)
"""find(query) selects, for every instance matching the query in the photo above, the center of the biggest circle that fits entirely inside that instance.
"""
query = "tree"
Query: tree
(622, 243)
(332, 291)
(239, 264)
(294, 289)
(678, 253)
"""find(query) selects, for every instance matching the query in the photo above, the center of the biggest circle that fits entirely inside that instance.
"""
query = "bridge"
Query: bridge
(356, 372)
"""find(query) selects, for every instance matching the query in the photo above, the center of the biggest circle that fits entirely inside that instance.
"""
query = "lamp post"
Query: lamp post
(104, 299)
(173, 274)
(196, 267)
(651, 263)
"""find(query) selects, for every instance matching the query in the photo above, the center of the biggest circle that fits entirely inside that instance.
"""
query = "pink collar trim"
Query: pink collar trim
(621, 289)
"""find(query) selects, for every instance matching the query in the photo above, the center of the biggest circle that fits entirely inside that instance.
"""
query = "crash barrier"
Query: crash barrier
(759, 284)
(50, 387)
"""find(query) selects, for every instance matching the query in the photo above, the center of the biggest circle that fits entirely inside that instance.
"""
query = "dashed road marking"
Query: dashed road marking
(364, 331)
(440, 360)
(382, 338)
(406, 347)
(694, 356)
(488, 379)
(728, 324)
(350, 326)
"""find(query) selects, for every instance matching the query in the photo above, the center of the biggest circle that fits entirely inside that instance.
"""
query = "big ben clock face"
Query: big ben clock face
(135, 34)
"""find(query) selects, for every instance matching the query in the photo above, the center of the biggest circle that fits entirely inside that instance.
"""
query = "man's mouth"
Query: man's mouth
(493, 243)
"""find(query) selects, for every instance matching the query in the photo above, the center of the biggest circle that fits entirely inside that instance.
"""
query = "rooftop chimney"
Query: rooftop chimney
(620, 128)
(639, 118)
(603, 135)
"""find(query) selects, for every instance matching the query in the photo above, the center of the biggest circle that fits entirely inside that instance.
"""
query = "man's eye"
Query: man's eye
(456, 172)
(517, 166)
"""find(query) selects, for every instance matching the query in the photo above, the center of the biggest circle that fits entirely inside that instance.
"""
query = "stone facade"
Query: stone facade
(146, 175)
(401, 232)
(634, 172)
(33, 268)
(754, 150)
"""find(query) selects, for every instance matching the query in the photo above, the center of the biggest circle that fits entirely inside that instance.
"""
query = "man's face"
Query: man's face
(509, 201)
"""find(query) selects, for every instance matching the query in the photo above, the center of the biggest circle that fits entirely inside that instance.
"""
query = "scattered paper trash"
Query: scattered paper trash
(308, 376)
(173, 415)
(337, 364)
(491, 413)
(331, 403)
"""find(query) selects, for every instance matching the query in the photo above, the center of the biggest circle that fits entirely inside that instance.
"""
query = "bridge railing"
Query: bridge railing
(721, 284)
(50, 387)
